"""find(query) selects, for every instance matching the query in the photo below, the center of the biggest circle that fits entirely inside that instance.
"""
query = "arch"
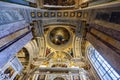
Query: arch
(26, 53)
(59, 78)
(41, 46)
(77, 47)
(24, 57)
(35, 47)
(32, 49)
(67, 55)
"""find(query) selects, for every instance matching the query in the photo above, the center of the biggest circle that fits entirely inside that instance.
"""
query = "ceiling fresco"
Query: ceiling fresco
(59, 36)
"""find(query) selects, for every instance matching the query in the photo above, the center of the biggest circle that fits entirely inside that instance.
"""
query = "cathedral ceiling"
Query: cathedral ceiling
(59, 40)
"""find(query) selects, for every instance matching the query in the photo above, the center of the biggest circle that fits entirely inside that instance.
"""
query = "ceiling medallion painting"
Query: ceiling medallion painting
(59, 36)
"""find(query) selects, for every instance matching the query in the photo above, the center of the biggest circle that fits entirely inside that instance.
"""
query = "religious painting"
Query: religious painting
(10, 71)
(48, 50)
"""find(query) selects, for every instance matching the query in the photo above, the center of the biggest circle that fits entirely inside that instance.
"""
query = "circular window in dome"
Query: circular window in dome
(59, 78)
(59, 36)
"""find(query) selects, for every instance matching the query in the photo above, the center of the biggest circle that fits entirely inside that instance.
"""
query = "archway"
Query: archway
(24, 57)
(58, 78)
